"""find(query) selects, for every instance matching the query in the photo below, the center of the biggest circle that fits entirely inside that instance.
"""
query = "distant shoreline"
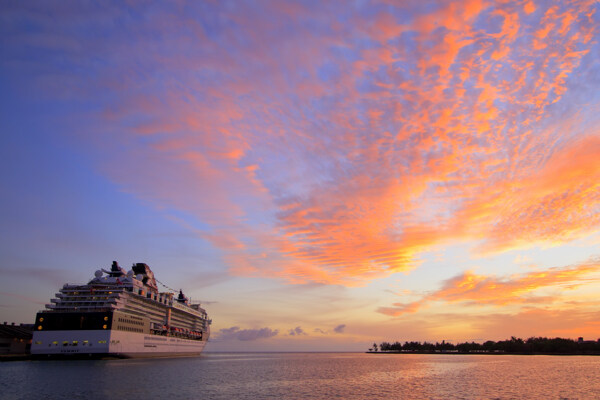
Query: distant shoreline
(483, 353)
(512, 346)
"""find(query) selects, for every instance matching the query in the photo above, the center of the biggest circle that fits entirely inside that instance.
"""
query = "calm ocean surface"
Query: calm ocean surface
(307, 376)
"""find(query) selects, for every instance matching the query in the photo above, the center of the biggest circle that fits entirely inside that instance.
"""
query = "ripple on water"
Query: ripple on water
(307, 376)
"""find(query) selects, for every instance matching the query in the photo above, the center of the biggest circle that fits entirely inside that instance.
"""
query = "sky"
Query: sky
(320, 175)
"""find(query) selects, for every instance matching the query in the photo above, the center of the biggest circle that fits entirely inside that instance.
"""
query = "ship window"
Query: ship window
(38, 342)
(85, 342)
(104, 326)
(39, 328)
(75, 343)
(65, 343)
(42, 319)
(55, 342)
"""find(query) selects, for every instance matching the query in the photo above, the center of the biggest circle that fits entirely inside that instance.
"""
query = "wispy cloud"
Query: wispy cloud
(469, 288)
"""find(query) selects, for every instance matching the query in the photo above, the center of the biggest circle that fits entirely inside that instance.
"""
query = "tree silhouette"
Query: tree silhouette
(514, 345)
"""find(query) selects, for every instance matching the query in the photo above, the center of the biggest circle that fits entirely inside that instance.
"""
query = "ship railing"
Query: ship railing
(90, 297)
(90, 289)
(183, 333)
(86, 300)
(53, 307)
(87, 292)
(85, 303)
(187, 309)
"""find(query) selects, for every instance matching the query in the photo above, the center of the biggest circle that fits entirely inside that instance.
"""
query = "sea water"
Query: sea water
(307, 376)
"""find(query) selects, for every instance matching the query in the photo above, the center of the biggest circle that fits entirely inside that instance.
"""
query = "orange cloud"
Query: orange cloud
(475, 289)
(529, 7)
(556, 204)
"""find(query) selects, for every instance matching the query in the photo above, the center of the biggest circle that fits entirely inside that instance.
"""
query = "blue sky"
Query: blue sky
(397, 172)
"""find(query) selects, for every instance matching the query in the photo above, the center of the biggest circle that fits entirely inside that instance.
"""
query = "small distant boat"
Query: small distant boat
(119, 314)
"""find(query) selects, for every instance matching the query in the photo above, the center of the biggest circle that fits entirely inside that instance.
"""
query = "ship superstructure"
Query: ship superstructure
(120, 314)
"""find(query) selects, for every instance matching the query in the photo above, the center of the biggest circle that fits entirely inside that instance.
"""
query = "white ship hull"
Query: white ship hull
(118, 314)
(119, 344)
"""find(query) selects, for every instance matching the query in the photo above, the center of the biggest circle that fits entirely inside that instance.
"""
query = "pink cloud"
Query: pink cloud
(469, 288)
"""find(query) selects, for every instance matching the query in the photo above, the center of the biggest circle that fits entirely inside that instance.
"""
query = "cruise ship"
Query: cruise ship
(120, 314)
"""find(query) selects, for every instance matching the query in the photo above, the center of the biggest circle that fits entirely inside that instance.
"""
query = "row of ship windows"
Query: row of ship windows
(40, 327)
(104, 298)
(92, 291)
(141, 292)
(76, 342)
(75, 305)
(129, 329)
(140, 323)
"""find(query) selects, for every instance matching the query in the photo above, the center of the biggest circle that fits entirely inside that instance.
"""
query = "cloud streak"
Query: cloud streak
(472, 289)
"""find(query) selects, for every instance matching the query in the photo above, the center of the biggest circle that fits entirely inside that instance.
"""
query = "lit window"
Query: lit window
(104, 326)
(38, 342)
(39, 328)
(42, 319)
(55, 342)
(106, 318)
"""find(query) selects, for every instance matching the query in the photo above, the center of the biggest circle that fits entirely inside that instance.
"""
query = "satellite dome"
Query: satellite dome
(98, 274)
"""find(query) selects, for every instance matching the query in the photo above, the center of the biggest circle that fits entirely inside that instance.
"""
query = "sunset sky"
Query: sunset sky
(319, 174)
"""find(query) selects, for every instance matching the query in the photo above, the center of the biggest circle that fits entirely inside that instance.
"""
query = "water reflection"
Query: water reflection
(306, 375)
